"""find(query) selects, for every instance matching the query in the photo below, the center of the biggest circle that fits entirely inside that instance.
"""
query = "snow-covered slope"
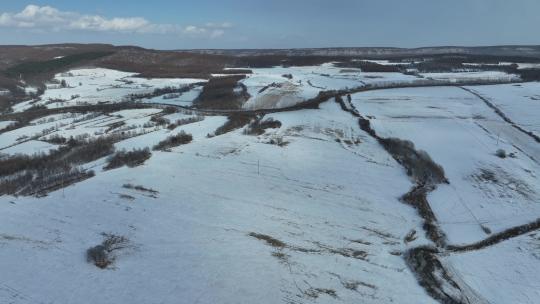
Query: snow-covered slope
(279, 87)
(504, 273)
(463, 135)
(98, 85)
(520, 102)
(206, 234)
(310, 210)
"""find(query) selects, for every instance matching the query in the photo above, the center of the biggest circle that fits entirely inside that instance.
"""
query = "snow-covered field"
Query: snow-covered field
(462, 134)
(185, 99)
(269, 88)
(98, 85)
(5, 124)
(282, 87)
(308, 212)
(327, 201)
(520, 102)
(504, 273)
(30, 147)
(462, 76)
(78, 126)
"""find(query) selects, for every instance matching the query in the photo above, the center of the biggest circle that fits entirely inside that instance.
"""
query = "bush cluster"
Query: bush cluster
(131, 159)
(42, 173)
(258, 126)
(172, 141)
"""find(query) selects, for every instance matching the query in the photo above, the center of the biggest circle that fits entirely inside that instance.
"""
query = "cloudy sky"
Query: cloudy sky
(176, 24)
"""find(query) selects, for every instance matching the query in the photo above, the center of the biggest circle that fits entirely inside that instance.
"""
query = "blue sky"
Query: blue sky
(168, 24)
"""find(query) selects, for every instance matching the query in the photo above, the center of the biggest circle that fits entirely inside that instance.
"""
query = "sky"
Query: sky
(176, 24)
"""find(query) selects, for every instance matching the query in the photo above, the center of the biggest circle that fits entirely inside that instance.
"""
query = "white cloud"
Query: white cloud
(50, 18)
(217, 33)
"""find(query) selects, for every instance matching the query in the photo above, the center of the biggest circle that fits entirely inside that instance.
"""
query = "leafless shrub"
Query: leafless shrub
(131, 159)
(170, 110)
(172, 141)
(114, 126)
(42, 173)
(278, 141)
(288, 76)
(163, 91)
(184, 121)
(159, 120)
(41, 182)
(268, 239)
(140, 188)
(103, 255)
(501, 153)
(56, 139)
(235, 121)
(418, 163)
(258, 126)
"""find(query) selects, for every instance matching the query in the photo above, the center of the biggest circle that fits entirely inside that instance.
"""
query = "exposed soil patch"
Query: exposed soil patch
(344, 252)
(320, 249)
(316, 292)
(268, 239)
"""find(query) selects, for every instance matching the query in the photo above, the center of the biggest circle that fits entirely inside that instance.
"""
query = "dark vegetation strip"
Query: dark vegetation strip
(42, 173)
(258, 126)
(423, 261)
(433, 277)
(499, 237)
(419, 167)
(502, 115)
(234, 121)
(131, 159)
(172, 141)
